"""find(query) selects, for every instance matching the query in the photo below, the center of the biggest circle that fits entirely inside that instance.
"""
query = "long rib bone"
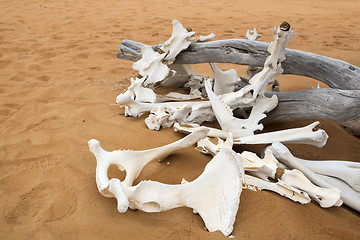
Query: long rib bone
(215, 194)
(133, 161)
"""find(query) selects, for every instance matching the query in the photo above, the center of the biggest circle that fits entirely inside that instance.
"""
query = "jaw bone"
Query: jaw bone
(215, 194)
(134, 161)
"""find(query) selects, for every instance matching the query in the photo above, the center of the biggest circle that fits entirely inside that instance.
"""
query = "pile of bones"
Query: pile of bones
(215, 194)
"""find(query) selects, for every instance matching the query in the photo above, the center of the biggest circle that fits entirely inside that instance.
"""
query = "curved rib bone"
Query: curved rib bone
(215, 194)
(133, 161)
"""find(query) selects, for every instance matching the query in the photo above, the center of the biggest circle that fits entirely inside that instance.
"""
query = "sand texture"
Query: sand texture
(60, 75)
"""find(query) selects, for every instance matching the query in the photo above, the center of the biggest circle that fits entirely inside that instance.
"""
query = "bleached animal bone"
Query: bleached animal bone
(347, 171)
(284, 155)
(264, 168)
(326, 197)
(224, 81)
(179, 40)
(272, 66)
(239, 127)
(151, 66)
(142, 94)
(279, 187)
(303, 135)
(253, 36)
(162, 116)
(348, 194)
(215, 194)
(133, 161)
(136, 109)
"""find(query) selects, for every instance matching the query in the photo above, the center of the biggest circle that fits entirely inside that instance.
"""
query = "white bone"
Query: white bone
(266, 166)
(225, 117)
(151, 66)
(347, 171)
(142, 94)
(224, 81)
(178, 41)
(350, 197)
(284, 155)
(252, 35)
(133, 161)
(215, 194)
(272, 66)
(326, 197)
(162, 116)
(279, 187)
(209, 37)
(136, 109)
(303, 135)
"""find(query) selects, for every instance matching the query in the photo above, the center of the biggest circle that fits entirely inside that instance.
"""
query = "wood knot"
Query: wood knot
(285, 26)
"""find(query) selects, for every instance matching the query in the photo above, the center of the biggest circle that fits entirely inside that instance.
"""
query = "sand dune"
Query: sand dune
(60, 75)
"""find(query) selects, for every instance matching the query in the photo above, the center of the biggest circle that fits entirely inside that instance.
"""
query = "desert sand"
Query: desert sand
(60, 77)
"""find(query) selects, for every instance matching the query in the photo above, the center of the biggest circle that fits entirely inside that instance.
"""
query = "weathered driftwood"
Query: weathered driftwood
(335, 73)
(339, 106)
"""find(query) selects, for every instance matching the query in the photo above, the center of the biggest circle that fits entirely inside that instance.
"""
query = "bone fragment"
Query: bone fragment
(142, 94)
(253, 36)
(326, 197)
(151, 66)
(179, 40)
(279, 187)
(215, 194)
(133, 161)
(224, 81)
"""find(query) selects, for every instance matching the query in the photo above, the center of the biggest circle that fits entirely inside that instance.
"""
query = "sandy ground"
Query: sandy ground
(59, 77)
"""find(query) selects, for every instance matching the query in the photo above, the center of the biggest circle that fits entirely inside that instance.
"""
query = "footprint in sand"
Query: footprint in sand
(43, 203)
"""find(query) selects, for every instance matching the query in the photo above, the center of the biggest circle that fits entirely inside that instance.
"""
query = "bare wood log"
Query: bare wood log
(339, 106)
(335, 73)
